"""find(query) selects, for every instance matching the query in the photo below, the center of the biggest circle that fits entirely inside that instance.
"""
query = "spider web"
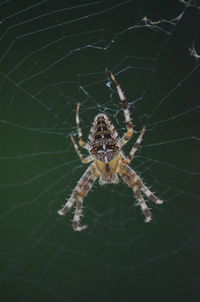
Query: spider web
(53, 55)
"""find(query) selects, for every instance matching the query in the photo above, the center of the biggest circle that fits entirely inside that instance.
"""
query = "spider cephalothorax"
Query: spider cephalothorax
(108, 161)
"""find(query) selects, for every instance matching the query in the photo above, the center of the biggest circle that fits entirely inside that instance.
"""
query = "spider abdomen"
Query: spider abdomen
(104, 139)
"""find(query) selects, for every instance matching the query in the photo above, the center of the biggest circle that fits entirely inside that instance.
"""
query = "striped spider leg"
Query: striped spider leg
(129, 176)
(85, 183)
(81, 190)
(124, 103)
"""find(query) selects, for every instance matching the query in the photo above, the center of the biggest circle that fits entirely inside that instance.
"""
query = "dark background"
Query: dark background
(54, 54)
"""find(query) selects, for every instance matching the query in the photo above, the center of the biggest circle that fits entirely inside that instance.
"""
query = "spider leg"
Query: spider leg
(77, 216)
(84, 160)
(81, 190)
(129, 124)
(81, 142)
(150, 195)
(142, 203)
(134, 181)
(136, 146)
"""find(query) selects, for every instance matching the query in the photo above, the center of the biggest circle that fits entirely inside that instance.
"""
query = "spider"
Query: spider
(108, 161)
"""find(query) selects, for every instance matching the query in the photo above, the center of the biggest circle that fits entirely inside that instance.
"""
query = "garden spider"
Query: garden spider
(108, 161)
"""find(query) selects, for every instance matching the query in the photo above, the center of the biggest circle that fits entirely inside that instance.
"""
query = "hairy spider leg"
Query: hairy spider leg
(136, 146)
(150, 195)
(81, 142)
(129, 124)
(134, 181)
(86, 160)
(81, 190)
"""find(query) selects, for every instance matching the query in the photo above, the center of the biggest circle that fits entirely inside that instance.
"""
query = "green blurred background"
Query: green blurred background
(57, 53)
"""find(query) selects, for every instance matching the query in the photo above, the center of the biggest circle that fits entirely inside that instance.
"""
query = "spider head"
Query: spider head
(103, 139)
